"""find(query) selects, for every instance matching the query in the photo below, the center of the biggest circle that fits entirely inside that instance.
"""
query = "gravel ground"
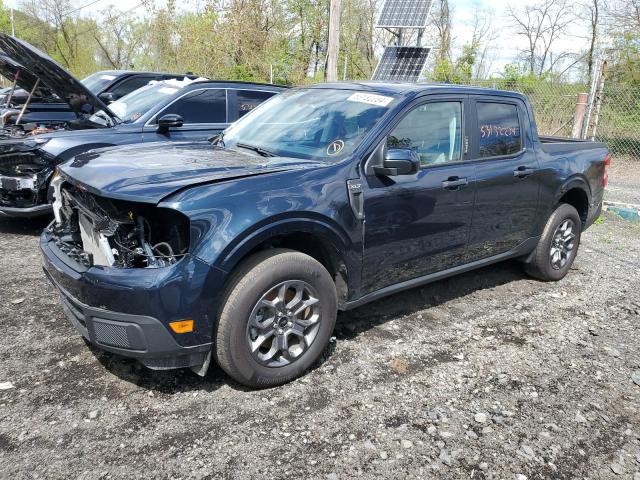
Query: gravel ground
(624, 182)
(486, 375)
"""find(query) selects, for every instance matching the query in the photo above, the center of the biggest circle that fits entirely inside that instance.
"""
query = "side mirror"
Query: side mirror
(398, 161)
(168, 121)
(108, 97)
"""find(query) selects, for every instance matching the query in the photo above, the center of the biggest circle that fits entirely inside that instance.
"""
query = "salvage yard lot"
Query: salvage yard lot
(485, 375)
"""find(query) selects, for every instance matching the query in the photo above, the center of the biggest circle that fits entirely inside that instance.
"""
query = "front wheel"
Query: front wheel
(277, 318)
(558, 245)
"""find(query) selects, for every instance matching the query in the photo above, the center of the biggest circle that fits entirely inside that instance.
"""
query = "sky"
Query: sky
(507, 44)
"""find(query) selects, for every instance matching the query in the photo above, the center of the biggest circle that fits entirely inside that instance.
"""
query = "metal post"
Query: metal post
(13, 89)
(578, 116)
(26, 104)
(344, 68)
(333, 44)
(596, 118)
(592, 99)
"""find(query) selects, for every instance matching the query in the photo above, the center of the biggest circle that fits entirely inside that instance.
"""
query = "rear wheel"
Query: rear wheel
(277, 318)
(558, 245)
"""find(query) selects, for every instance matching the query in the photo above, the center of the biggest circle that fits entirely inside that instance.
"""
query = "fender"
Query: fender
(272, 227)
(575, 181)
(322, 227)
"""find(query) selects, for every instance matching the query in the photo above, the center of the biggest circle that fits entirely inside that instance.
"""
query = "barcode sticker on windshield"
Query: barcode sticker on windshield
(168, 90)
(371, 99)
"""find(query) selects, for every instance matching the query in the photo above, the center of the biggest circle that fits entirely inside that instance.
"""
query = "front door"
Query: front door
(418, 224)
(204, 112)
(505, 210)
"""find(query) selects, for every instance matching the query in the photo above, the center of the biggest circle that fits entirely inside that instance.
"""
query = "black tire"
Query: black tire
(540, 265)
(252, 279)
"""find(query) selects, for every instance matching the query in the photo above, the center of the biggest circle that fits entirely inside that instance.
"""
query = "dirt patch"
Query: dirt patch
(487, 375)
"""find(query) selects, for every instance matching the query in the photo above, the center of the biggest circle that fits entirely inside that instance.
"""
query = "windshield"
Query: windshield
(315, 124)
(97, 82)
(134, 105)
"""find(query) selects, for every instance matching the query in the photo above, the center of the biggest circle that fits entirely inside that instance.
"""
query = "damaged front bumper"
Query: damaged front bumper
(24, 180)
(128, 311)
(25, 212)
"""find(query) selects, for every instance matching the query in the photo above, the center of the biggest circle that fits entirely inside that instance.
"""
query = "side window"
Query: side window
(433, 130)
(250, 99)
(130, 84)
(201, 106)
(499, 129)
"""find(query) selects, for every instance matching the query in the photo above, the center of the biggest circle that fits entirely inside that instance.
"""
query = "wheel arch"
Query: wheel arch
(577, 193)
(318, 238)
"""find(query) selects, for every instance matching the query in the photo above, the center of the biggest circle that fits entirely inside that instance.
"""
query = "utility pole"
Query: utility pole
(333, 45)
(13, 25)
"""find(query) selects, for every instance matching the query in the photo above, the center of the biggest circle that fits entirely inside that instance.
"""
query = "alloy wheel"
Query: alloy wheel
(284, 323)
(562, 244)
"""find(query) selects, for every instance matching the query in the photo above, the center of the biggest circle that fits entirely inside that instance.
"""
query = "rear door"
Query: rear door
(242, 101)
(204, 112)
(507, 176)
(419, 224)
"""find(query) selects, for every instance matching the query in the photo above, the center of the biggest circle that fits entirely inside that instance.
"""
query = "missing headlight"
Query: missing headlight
(118, 233)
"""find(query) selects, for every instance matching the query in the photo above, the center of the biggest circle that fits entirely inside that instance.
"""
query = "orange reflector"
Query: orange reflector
(182, 326)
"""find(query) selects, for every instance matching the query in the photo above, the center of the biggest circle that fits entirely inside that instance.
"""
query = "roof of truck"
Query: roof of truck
(407, 88)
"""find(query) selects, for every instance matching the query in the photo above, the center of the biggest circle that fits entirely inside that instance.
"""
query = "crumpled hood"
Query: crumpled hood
(150, 172)
(20, 60)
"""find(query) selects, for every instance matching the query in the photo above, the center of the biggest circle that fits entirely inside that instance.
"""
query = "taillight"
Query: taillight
(605, 174)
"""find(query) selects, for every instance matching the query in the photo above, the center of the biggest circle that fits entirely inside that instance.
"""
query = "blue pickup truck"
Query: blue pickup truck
(243, 249)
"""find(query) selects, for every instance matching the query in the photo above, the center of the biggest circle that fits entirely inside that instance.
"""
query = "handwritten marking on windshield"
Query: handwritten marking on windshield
(335, 147)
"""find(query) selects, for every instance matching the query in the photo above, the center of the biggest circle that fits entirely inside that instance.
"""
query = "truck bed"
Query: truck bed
(560, 145)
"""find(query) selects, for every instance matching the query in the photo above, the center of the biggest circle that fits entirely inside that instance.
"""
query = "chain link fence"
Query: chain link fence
(618, 124)
(611, 112)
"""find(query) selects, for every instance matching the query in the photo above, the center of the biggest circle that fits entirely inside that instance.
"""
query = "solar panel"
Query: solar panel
(404, 13)
(401, 64)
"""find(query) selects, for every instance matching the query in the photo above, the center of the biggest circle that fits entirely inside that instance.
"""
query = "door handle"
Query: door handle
(454, 183)
(523, 171)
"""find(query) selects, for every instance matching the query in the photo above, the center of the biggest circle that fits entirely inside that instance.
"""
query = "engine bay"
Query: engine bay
(29, 130)
(94, 230)
(24, 174)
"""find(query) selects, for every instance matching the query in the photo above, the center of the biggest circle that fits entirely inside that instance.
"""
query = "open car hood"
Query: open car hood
(20, 60)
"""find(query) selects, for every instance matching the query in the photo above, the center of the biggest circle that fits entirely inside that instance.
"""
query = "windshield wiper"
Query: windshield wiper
(259, 150)
(217, 140)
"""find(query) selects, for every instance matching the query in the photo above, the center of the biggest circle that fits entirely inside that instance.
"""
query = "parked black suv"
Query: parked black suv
(24, 65)
(169, 111)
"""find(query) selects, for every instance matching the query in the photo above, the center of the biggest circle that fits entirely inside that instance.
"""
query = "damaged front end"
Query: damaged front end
(94, 230)
(25, 171)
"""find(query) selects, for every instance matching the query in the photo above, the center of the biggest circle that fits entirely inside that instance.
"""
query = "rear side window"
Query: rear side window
(130, 84)
(201, 106)
(250, 99)
(499, 129)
